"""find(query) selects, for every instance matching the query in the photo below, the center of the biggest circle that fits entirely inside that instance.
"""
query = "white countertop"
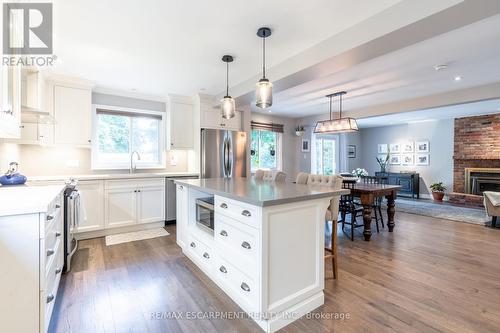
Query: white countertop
(113, 176)
(24, 199)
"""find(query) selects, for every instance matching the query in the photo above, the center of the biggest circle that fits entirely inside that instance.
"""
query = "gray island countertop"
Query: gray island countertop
(260, 193)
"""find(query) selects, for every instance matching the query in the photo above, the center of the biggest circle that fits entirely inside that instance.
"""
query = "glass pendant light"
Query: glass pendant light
(227, 104)
(264, 90)
(336, 125)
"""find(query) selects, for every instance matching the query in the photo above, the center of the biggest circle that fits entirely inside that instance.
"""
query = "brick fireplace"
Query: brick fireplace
(477, 146)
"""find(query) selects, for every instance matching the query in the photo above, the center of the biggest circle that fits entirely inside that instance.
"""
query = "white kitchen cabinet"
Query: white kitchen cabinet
(92, 198)
(10, 102)
(131, 202)
(72, 112)
(182, 214)
(121, 207)
(151, 204)
(180, 128)
(212, 118)
(32, 133)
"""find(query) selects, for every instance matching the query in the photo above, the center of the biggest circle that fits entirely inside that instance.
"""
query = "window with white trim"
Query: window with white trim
(118, 132)
(265, 150)
(324, 155)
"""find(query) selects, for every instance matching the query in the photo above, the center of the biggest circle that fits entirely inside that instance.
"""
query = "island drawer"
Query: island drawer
(238, 210)
(239, 286)
(201, 252)
(240, 241)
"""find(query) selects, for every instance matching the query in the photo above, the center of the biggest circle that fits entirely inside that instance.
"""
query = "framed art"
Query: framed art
(421, 146)
(382, 148)
(407, 159)
(407, 147)
(305, 146)
(395, 159)
(422, 159)
(351, 151)
(395, 148)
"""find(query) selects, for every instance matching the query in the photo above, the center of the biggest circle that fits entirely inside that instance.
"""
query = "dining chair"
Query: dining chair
(377, 202)
(332, 214)
(348, 206)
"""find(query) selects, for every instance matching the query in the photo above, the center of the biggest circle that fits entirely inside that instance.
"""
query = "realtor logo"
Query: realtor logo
(27, 28)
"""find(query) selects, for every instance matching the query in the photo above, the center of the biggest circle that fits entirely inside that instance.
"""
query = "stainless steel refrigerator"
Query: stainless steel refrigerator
(223, 153)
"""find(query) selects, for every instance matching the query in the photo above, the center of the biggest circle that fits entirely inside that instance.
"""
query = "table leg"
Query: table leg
(390, 211)
(367, 202)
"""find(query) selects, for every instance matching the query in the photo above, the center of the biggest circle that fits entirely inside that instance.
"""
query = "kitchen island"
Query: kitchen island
(261, 242)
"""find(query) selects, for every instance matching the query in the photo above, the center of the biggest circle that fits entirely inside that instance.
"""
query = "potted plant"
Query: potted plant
(299, 130)
(438, 191)
(383, 162)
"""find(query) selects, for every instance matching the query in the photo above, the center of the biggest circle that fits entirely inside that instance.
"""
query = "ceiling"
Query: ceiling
(159, 47)
(445, 112)
(471, 52)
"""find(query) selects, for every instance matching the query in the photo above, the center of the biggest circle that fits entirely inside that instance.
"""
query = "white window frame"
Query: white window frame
(279, 140)
(314, 152)
(97, 164)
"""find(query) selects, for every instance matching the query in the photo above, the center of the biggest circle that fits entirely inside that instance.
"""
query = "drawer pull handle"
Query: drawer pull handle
(206, 255)
(59, 270)
(223, 269)
(50, 298)
(245, 287)
(246, 245)
(223, 233)
(181, 187)
(223, 205)
(193, 244)
(58, 206)
(58, 234)
(50, 217)
(50, 252)
(246, 213)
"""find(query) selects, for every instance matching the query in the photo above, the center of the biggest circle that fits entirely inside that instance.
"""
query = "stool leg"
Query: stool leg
(494, 222)
(334, 249)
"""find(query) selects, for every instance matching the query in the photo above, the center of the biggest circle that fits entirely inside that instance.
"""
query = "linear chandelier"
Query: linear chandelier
(336, 125)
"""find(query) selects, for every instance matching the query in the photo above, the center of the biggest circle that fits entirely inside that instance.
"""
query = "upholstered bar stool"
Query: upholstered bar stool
(270, 175)
(332, 214)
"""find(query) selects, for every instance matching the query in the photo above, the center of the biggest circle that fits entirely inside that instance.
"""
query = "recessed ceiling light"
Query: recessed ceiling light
(440, 67)
(458, 78)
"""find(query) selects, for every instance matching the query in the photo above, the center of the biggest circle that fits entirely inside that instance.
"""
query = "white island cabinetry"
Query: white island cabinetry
(267, 247)
(31, 252)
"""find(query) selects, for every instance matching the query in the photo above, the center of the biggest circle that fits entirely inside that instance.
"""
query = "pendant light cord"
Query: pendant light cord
(227, 78)
(263, 57)
(340, 111)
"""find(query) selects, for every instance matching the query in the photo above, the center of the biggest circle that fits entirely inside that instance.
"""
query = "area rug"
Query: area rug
(135, 236)
(442, 211)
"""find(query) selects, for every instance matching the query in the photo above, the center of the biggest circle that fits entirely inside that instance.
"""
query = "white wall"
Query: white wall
(440, 134)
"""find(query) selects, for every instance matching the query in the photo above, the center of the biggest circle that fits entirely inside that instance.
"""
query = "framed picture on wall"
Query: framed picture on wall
(407, 159)
(407, 147)
(421, 146)
(382, 148)
(395, 148)
(305, 146)
(351, 151)
(422, 159)
(395, 159)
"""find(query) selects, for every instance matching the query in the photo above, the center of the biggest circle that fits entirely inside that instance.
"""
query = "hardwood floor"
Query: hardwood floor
(430, 275)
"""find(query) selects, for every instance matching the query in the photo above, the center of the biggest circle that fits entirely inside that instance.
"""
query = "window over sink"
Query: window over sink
(117, 132)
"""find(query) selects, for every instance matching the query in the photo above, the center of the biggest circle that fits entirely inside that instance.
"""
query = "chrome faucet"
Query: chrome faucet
(133, 167)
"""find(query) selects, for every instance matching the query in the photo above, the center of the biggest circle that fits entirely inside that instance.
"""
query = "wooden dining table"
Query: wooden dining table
(367, 194)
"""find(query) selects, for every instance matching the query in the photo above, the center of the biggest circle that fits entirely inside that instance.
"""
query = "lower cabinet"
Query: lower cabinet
(129, 202)
(91, 192)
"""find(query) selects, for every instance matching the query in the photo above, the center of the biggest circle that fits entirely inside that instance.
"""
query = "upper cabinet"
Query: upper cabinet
(10, 100)
(180, 123)
(72, 111)
(211, 118)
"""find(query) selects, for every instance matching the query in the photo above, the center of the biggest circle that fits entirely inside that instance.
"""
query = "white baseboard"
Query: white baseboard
(120, 230)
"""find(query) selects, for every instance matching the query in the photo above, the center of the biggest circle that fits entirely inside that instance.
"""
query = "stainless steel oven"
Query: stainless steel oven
(205, 213)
